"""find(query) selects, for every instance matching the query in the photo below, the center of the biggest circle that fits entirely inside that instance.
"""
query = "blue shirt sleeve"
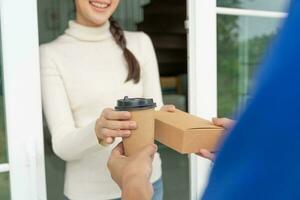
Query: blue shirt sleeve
(260, 158)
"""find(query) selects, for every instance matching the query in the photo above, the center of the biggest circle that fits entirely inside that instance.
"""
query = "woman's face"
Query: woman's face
(94, 12)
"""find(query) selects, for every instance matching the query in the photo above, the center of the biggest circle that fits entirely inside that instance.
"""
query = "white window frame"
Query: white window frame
(4, 167)
(202, 69)
(249, 12)
(22, 93)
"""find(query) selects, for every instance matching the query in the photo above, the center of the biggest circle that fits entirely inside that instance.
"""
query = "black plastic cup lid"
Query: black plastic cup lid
(129, 104)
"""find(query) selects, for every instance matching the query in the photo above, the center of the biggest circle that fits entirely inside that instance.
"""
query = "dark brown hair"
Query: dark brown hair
(134, 69)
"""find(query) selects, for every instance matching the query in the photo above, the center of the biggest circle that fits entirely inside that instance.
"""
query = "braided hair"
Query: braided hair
(134, 68)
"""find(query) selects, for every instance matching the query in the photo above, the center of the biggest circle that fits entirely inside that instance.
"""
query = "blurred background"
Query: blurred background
(242, 41)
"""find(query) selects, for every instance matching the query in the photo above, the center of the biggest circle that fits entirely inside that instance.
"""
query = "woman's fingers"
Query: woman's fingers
(106, 141)
(113, 124)
(109, 140)
(109, 133)
(110, 114)
(120, 125)
(168, 108)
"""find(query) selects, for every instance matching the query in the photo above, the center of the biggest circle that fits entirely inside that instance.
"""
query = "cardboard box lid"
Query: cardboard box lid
(185, 121)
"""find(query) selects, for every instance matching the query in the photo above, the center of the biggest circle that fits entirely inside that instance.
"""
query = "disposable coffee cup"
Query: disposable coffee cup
(142, 112)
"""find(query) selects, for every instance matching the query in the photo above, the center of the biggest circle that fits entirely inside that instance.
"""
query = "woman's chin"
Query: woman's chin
(98, 21)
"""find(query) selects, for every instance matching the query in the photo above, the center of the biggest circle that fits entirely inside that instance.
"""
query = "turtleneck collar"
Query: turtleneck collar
(86, 33)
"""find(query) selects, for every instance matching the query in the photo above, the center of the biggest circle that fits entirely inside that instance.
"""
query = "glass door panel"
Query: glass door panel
(4, 174)
(265, 5)
(242, 42)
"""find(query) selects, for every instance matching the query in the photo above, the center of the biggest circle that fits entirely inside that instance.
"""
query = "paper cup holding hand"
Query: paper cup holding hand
(142, 112)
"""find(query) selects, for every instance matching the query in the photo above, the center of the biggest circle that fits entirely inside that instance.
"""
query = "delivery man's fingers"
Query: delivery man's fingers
(224, 122)
(116, 161)
(118, 150)
(148, 151)
(207, 154)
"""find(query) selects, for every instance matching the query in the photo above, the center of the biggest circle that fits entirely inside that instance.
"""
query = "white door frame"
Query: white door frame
(202, 69)
(22, 94)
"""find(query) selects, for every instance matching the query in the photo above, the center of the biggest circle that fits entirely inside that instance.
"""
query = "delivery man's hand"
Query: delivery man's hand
(132, 174)
(225, 123)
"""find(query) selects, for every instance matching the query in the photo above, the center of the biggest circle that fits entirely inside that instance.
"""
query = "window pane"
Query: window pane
(4, 177)
(242, 42)
(4, 186)
(274, 5)
(3, 145)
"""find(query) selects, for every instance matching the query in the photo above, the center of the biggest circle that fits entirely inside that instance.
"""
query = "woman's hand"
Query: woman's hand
(112, 124)
(132, 174)
(168, 108)
(223, 122)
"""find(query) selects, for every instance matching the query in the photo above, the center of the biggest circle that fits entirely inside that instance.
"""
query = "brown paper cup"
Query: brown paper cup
(143, 135)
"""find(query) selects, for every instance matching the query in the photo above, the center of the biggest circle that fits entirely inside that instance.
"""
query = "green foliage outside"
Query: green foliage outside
(4, 177)
(4, 186)
(230, 77)
(227, 65)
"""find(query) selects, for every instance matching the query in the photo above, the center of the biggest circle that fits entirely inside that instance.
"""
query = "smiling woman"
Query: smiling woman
(94, 12)
(77, 70)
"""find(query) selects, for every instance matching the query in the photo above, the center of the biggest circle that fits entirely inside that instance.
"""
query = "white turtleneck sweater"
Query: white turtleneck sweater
(83, 72)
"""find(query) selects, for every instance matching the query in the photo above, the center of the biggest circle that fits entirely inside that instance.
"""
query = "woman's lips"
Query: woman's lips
(99, 5)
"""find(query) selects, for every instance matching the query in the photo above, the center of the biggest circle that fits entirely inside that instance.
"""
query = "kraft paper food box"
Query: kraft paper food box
(186, 133)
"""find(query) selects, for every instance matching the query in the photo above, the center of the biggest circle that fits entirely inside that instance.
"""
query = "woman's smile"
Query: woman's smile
(99, 5)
